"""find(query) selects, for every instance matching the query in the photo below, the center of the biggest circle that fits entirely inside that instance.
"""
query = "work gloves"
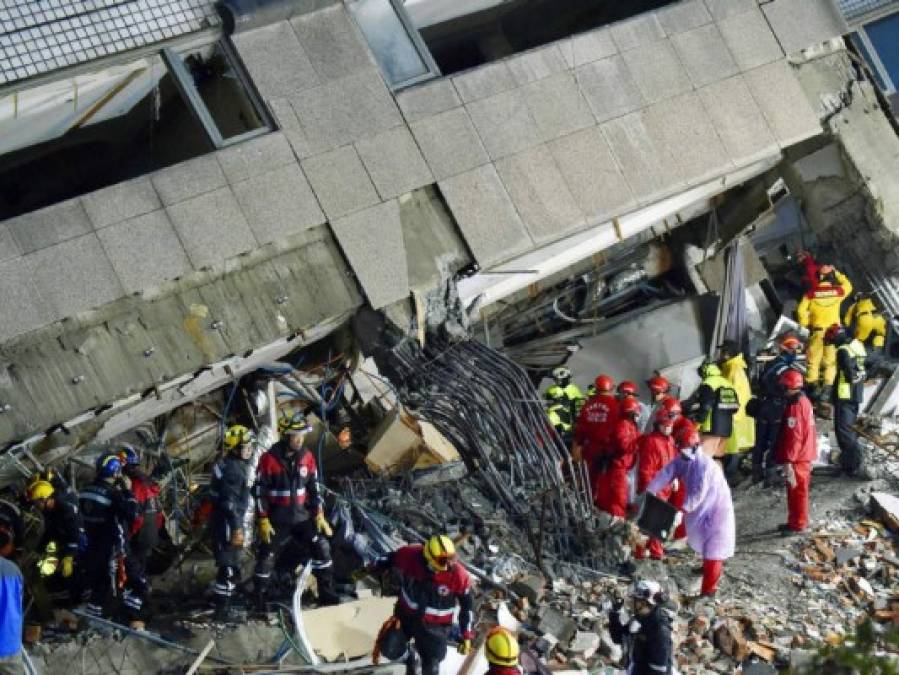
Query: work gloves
(68, 564)
(790, 475)
(266, 530)
(237, 538)
(322, 524)
(464, 647)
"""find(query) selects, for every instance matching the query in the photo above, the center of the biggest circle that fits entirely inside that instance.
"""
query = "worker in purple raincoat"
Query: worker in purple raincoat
(708, 507)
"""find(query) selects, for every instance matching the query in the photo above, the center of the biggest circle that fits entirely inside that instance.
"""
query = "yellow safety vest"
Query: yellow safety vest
(557, 419)
(856, 351)
(727, 399)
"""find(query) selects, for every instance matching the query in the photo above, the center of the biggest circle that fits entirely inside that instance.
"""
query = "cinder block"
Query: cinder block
(784, 104)
(485, 214)
(258, 155)
(394, 162)
(484, 81)
(750, 39)
(22, 309)
(504, 123)
(344, 111)
(803, 23)
(649, 168)
(276, 61)
(682, 129)
(120, 202)
(9, 249)
(738, 120)
(340, 182)
(704, 55)
(722, 9)
(372, 240)
(188, 179)
(449, 143)
(683, 16)
(637, 31)
(212, 228)
(540, 194)
(557, 106)
(592, 174)
(74, 276)
(657, 71)
(332, 42)
(609, 88)
(145, 251)
(536, 64)
(49, 226)
(278, 203)
(588, 47)
(428, 99)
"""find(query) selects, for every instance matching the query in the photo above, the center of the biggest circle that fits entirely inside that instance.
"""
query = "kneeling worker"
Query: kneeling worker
(647, 634)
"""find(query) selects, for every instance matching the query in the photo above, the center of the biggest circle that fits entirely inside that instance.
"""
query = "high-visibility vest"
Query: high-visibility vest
(845, 385)
(726, 400)
(559, 417)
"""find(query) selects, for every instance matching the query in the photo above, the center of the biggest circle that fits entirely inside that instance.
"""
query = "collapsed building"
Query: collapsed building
(400, 217)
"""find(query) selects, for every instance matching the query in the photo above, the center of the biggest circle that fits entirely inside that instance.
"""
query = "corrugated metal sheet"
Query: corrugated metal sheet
(40, 36)
(856, 9)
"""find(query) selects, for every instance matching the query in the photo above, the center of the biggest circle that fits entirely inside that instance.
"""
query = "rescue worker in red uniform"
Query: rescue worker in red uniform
(431, 583)
(796, 449)
(291, 519)
(595, 424)
(628, 389)
(678, 492)
(654, 451)
(658, 390)
(610, 490)
(143, 537)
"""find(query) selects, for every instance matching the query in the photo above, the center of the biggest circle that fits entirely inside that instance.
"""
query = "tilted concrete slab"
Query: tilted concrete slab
(536, 64)
(738, 120)
(340, 182)
(258, 155)
(785, 106)
(637, 31)
(212, 228)
(394, 162)
(588, 47)
(750, 40)
(487, 80)
(704, 55)
(557, 106)
(50, 226)
(278, 203)
(276, 61)
(333, 43)
(428, 99)
(188, 179)
(504, 123)
(372, 240)
(804, 23)
(540, 194)
(721, 9)
(683, 16)
(592, 174)
(609, 88)
(9, 249)
(121, 201)
(450, 143)
(486, 215)
(657, 71)
(129, 245)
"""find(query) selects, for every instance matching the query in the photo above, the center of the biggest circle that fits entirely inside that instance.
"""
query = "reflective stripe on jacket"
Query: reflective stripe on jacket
(849, 384)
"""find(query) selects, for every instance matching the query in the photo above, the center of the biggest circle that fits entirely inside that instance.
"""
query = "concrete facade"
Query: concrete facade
(525, 152)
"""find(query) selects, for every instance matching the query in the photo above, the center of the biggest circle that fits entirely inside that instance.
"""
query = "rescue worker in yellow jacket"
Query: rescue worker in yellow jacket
(867, 325)
(817, 311)
(742, 438)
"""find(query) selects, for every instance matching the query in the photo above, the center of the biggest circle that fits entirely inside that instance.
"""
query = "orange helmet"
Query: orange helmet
(791, 343)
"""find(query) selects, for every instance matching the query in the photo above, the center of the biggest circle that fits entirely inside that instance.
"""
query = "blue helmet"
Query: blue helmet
(128, 455)
(108, 466)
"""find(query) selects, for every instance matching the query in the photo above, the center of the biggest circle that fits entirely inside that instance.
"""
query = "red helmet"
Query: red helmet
(686, 436)
(663, 418)
(834, 333)
(627, 388)
(604, 383)
(672, 406)
(659, 385)
(792, 379)
(791, 343)
(629, 406)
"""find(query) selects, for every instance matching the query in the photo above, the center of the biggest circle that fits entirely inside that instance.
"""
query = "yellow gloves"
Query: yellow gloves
(464, 647)
(237, 538)
(68, 564)
(322, 524)
(266, 530)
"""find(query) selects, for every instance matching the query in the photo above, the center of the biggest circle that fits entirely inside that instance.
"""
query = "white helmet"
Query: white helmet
(561, 373)
(647, 590)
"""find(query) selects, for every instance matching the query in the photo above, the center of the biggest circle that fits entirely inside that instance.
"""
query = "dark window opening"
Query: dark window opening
(73, 137)
(460, 38)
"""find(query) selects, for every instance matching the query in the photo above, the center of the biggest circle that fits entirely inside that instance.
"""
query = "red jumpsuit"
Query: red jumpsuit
(797, 445)
(610, 486)
(593, 430)
(654, 451)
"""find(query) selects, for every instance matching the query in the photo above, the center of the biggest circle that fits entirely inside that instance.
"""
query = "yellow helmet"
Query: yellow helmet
(237, 435)
(502, 647)
(293, 423)
(39, 489)
(440, 552)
